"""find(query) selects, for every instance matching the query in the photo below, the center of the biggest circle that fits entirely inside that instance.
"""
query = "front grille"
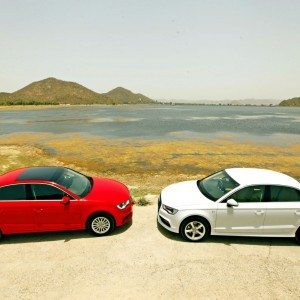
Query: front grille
(165, 221)
(159, 202)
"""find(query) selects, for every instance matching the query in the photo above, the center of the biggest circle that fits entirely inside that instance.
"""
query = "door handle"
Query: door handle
(259, 212)
(38, 210)
(297, 213)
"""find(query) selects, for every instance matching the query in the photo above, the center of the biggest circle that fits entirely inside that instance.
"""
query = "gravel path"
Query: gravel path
(142, 260)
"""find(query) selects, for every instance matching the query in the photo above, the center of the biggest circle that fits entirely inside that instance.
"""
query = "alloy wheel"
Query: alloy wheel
(194, 230)
(100, 225)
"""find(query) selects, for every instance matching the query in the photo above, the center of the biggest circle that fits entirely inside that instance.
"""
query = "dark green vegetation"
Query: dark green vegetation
(142, 201)
(54, 91)
(291, 102)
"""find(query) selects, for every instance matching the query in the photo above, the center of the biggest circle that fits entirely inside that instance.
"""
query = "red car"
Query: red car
(41, 199)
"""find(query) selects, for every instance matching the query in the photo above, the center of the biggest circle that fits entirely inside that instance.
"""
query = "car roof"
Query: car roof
(40, 173)
(255, 176)
(29, 174)
(10, 177)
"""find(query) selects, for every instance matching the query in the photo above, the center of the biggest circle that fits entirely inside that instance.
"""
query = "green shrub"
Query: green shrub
(142, 201)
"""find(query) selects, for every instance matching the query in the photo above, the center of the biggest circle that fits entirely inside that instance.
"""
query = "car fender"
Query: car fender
(208, 214)
(99, 212)
(98, 209)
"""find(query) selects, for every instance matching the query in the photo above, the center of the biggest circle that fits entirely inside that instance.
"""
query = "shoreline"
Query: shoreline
(40, 107)
(145, 166)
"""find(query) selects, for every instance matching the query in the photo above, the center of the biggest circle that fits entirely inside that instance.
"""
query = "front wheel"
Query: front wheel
(100, 224)
(195, 229)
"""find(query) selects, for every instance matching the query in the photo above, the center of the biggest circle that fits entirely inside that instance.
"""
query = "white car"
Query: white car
(236, 202)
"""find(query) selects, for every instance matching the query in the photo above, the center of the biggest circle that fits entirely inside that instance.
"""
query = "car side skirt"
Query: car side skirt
(253, 235)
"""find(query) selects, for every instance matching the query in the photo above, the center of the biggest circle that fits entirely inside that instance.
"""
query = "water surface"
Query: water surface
(276, 125)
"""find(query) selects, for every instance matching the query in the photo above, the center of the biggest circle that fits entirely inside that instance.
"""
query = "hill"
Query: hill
(55, 91)
(127, 96)
(290, 102)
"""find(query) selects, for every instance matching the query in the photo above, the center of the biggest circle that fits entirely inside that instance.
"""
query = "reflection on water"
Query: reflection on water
(277, 125)
(118, 120)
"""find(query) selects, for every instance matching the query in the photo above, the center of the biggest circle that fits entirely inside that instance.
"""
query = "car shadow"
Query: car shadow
(229, 240)
(66, 236)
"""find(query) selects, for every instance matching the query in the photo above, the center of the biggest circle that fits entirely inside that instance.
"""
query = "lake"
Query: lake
(273, 125)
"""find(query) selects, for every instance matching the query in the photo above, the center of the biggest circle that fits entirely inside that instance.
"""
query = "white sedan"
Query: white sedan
(236, 202)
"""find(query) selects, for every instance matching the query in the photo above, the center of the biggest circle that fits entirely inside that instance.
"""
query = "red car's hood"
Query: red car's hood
(108, 190)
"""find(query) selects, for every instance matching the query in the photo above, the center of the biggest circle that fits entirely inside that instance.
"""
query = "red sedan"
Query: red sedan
(42, 199)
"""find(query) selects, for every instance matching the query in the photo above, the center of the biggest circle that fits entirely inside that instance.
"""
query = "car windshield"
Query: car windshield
(75, 182)
(216, 185)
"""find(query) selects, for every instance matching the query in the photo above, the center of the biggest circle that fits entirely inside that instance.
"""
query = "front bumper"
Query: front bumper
(127, 218)
(123, 216)
(169, 222)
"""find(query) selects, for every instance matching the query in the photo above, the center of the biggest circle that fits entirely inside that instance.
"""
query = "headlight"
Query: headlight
(170, 210)
(123, 204)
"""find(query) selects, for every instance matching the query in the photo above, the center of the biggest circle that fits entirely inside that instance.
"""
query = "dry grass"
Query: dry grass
(145, 166)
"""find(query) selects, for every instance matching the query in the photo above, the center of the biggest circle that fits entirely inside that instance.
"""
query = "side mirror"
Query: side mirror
(65, 200)
(232, 203)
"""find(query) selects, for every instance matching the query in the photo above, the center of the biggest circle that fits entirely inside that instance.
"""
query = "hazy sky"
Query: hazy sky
(185, 49)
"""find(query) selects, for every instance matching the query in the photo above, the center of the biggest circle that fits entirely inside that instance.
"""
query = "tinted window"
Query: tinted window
(75, 182)
(284, 194)
(46, 192)
(13, 192)
(216, 185)
(249, 194)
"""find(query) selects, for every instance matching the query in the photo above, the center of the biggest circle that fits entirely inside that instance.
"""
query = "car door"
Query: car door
(246, 218)
(51, 213)
(16, 215)
(283, 211)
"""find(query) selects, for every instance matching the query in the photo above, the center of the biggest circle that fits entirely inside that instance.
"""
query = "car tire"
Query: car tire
(1, 235)
(100, 224)
(195, 229)
(297, 235)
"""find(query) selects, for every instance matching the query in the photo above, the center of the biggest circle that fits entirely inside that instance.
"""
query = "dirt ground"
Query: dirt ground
(142, 260)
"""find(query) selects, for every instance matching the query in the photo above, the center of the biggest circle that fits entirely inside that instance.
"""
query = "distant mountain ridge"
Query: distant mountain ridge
(55, 91)
(290, 102)
(256, 102)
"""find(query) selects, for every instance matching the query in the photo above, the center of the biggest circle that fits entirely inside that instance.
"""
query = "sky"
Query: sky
(192, 50)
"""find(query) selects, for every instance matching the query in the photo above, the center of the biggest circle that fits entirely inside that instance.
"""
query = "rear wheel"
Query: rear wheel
(100, 224)
(195, 229)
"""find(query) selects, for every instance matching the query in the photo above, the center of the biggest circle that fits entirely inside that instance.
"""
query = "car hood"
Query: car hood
(108, 191)
(185, 195)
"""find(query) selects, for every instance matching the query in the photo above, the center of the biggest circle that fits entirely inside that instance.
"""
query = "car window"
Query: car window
(46, 192)
(249, 194)
(74, 181)
(284, 194)
(217, 185)
(13, 192)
